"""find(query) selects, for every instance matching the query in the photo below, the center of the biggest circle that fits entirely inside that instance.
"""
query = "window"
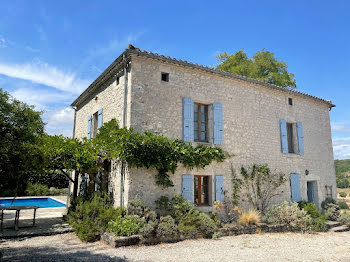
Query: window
(200, 122)
(290, 101)
(290, 138)
(201, 190)
(117, 80)
(94, 124)
(165, 77)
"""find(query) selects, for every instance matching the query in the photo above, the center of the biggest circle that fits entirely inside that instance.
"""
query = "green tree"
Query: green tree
(21, 128)
(262, 66)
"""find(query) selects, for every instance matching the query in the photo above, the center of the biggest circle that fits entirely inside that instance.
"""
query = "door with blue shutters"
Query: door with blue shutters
(187, 188)
(295, 187)
(219, 188)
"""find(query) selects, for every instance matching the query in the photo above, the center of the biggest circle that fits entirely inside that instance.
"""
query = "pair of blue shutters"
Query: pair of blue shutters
(295, 187)
(284, 139)
(99, 122)
(188, 119)
(187, 188)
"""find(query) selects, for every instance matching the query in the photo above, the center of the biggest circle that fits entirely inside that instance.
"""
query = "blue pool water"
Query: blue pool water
(40, 202)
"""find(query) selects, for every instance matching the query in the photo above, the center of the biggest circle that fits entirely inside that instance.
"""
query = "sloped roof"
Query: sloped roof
(136, 51)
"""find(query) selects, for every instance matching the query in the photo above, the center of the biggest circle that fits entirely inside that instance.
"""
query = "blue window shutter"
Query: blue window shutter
(187, 188)
(188, 114)
(99, 119)
(295, 187)
(300, 138)
(89, 126)
(218, 125)
(284, 141)
(219, 188)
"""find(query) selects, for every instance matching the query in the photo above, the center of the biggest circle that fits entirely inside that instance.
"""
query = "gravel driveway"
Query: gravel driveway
(264, 247)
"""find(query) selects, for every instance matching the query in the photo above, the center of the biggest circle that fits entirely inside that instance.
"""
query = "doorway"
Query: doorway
(312, 192)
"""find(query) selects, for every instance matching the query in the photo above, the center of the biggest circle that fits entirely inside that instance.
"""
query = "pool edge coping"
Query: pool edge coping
(23, 197)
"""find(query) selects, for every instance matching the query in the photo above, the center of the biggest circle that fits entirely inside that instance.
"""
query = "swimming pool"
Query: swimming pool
(43, 202)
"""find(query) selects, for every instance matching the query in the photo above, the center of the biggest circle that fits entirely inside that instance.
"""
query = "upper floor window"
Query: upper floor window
(94, 123)
(290, 101)
(290, 138)
(195, 126)
(200, 122)
(165, 77)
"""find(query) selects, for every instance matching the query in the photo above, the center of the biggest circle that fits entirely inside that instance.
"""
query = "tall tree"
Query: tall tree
(262, 66)
(21, 128)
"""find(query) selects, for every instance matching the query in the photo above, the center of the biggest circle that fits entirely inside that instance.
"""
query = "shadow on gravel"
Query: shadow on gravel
(43, 227)
(53, 254)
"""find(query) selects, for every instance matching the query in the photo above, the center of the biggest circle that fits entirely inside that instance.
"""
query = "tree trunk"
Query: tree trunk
(75, 185)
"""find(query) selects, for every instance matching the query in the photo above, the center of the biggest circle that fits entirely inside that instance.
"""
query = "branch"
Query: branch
(67, 175)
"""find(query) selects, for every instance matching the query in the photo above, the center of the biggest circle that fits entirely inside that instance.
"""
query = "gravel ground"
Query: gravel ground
(263, 247)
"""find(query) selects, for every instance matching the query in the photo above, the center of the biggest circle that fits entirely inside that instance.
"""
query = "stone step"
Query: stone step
(331, 224)
(342, 228)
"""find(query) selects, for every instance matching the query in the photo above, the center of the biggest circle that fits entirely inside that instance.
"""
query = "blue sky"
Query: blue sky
(51, 50)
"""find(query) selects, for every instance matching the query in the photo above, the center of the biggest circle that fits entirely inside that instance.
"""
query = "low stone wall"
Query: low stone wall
(112, 240)
(229, 230)
(233, 230)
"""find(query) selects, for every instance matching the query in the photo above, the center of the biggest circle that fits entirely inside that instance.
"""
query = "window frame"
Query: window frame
(199, 122)
(200, 190)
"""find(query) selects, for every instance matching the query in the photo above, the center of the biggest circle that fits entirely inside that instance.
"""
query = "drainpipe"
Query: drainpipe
(123, 165)
(75, 188)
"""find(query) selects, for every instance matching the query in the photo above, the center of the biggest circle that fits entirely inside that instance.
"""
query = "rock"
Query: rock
(112, 240)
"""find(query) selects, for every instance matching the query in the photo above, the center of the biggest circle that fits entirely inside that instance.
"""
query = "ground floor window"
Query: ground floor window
(201, 190)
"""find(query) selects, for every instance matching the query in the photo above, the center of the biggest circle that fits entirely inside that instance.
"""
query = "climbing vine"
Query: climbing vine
(149, 150)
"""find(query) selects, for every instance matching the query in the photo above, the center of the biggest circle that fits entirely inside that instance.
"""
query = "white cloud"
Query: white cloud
(65, 115)
(43, 73)
(340, 127)
(341, 147)
(42, 98)
(3, 42)
(60, 122)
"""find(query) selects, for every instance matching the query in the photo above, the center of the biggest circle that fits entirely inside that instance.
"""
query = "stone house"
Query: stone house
(257, 122)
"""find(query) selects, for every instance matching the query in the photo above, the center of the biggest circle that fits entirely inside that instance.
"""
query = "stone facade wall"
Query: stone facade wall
(110, 97)
(251, 115)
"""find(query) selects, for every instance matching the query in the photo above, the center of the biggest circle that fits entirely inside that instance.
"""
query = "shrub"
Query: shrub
(217, 235)
(163, 205)
(332, 211)
(310, 208)
(327, 201)
(179, 207)
(195, 223)
(36, 190)
(251, 217)
(138, 208)
(89, 218)
(126, 226)
(42, 190)
(342, 194)
(148, 230)
(345, 219)
(319, 224)
(292, 216)
(166, 227)
(343, 205)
